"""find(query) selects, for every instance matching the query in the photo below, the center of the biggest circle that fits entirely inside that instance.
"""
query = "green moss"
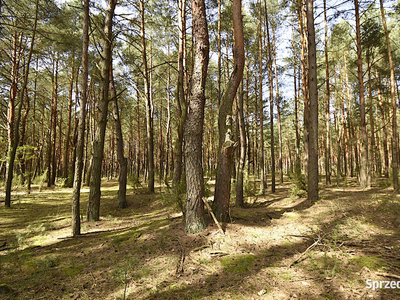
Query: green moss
(237, 264)
(73, 270)
(371, 262)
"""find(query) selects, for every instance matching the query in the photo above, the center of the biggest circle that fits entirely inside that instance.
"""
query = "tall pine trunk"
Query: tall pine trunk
(149, 105)
(327, 107)
(93, 212)
(313, 94)
(395, 144)
(193, 132)
(181, 106)
(226, 145)
(122, 161)
(21, 97)
(80, 144)
(364, 173)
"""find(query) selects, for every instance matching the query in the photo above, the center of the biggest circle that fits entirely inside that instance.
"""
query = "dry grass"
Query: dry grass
(142, 252)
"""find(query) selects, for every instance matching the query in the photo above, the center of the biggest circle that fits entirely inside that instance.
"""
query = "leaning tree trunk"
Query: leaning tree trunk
(122, 161)
(226, 145)
(93, 212)
(193, 133)
(313, 94)
(76, 222)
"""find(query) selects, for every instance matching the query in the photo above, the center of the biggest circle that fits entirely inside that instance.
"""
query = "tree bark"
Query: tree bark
(76, 222)
(93, 212)
(54, 125)
(226, 145)
(271, 100)
(13, 150)
(242, 150)
(181, 105)
(384, 125)
(68, 133)
(122, 161)
(149, 105)
(193, 132)
(395, 143)
(327, 108)
(263, 184)
(278, 108)
(313, 94)
(364, 174)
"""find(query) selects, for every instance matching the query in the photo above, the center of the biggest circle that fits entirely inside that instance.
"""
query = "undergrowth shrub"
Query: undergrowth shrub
(299, 187)
(41, 180)
(134, 181)
(250, 188)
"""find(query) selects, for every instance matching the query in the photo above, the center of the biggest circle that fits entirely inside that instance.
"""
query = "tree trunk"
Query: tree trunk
(278, 108)
(181, 105)
(327, 108)
(313, 124)
(395, 144)
(263, 184)
(54, 126)
(297, 167)
(242, 150)
(364, 173)
(68, 133)
(13, 150)
(193, 133)
(226, 145)
(271, 101)
(122, 161)
(93, 212)
(149, 105)
(76, 223)
(384, 125)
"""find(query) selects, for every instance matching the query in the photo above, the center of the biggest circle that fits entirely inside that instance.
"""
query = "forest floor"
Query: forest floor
(276, 248)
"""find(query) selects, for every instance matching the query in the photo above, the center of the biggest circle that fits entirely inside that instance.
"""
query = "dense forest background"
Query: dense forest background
(279, 118)
(148, 51)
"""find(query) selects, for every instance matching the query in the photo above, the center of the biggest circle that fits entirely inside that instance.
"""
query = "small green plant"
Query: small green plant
(299, 187)
(134, 181)
(250, 188)
(43, 264)
(41, 180)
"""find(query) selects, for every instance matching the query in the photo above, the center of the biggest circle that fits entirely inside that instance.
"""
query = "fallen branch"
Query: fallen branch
(218, 253)
(207, 268)
(300, 236)
(200, 248)
(179, 267)
(305, 252)
(213, 216)
(388, 275)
